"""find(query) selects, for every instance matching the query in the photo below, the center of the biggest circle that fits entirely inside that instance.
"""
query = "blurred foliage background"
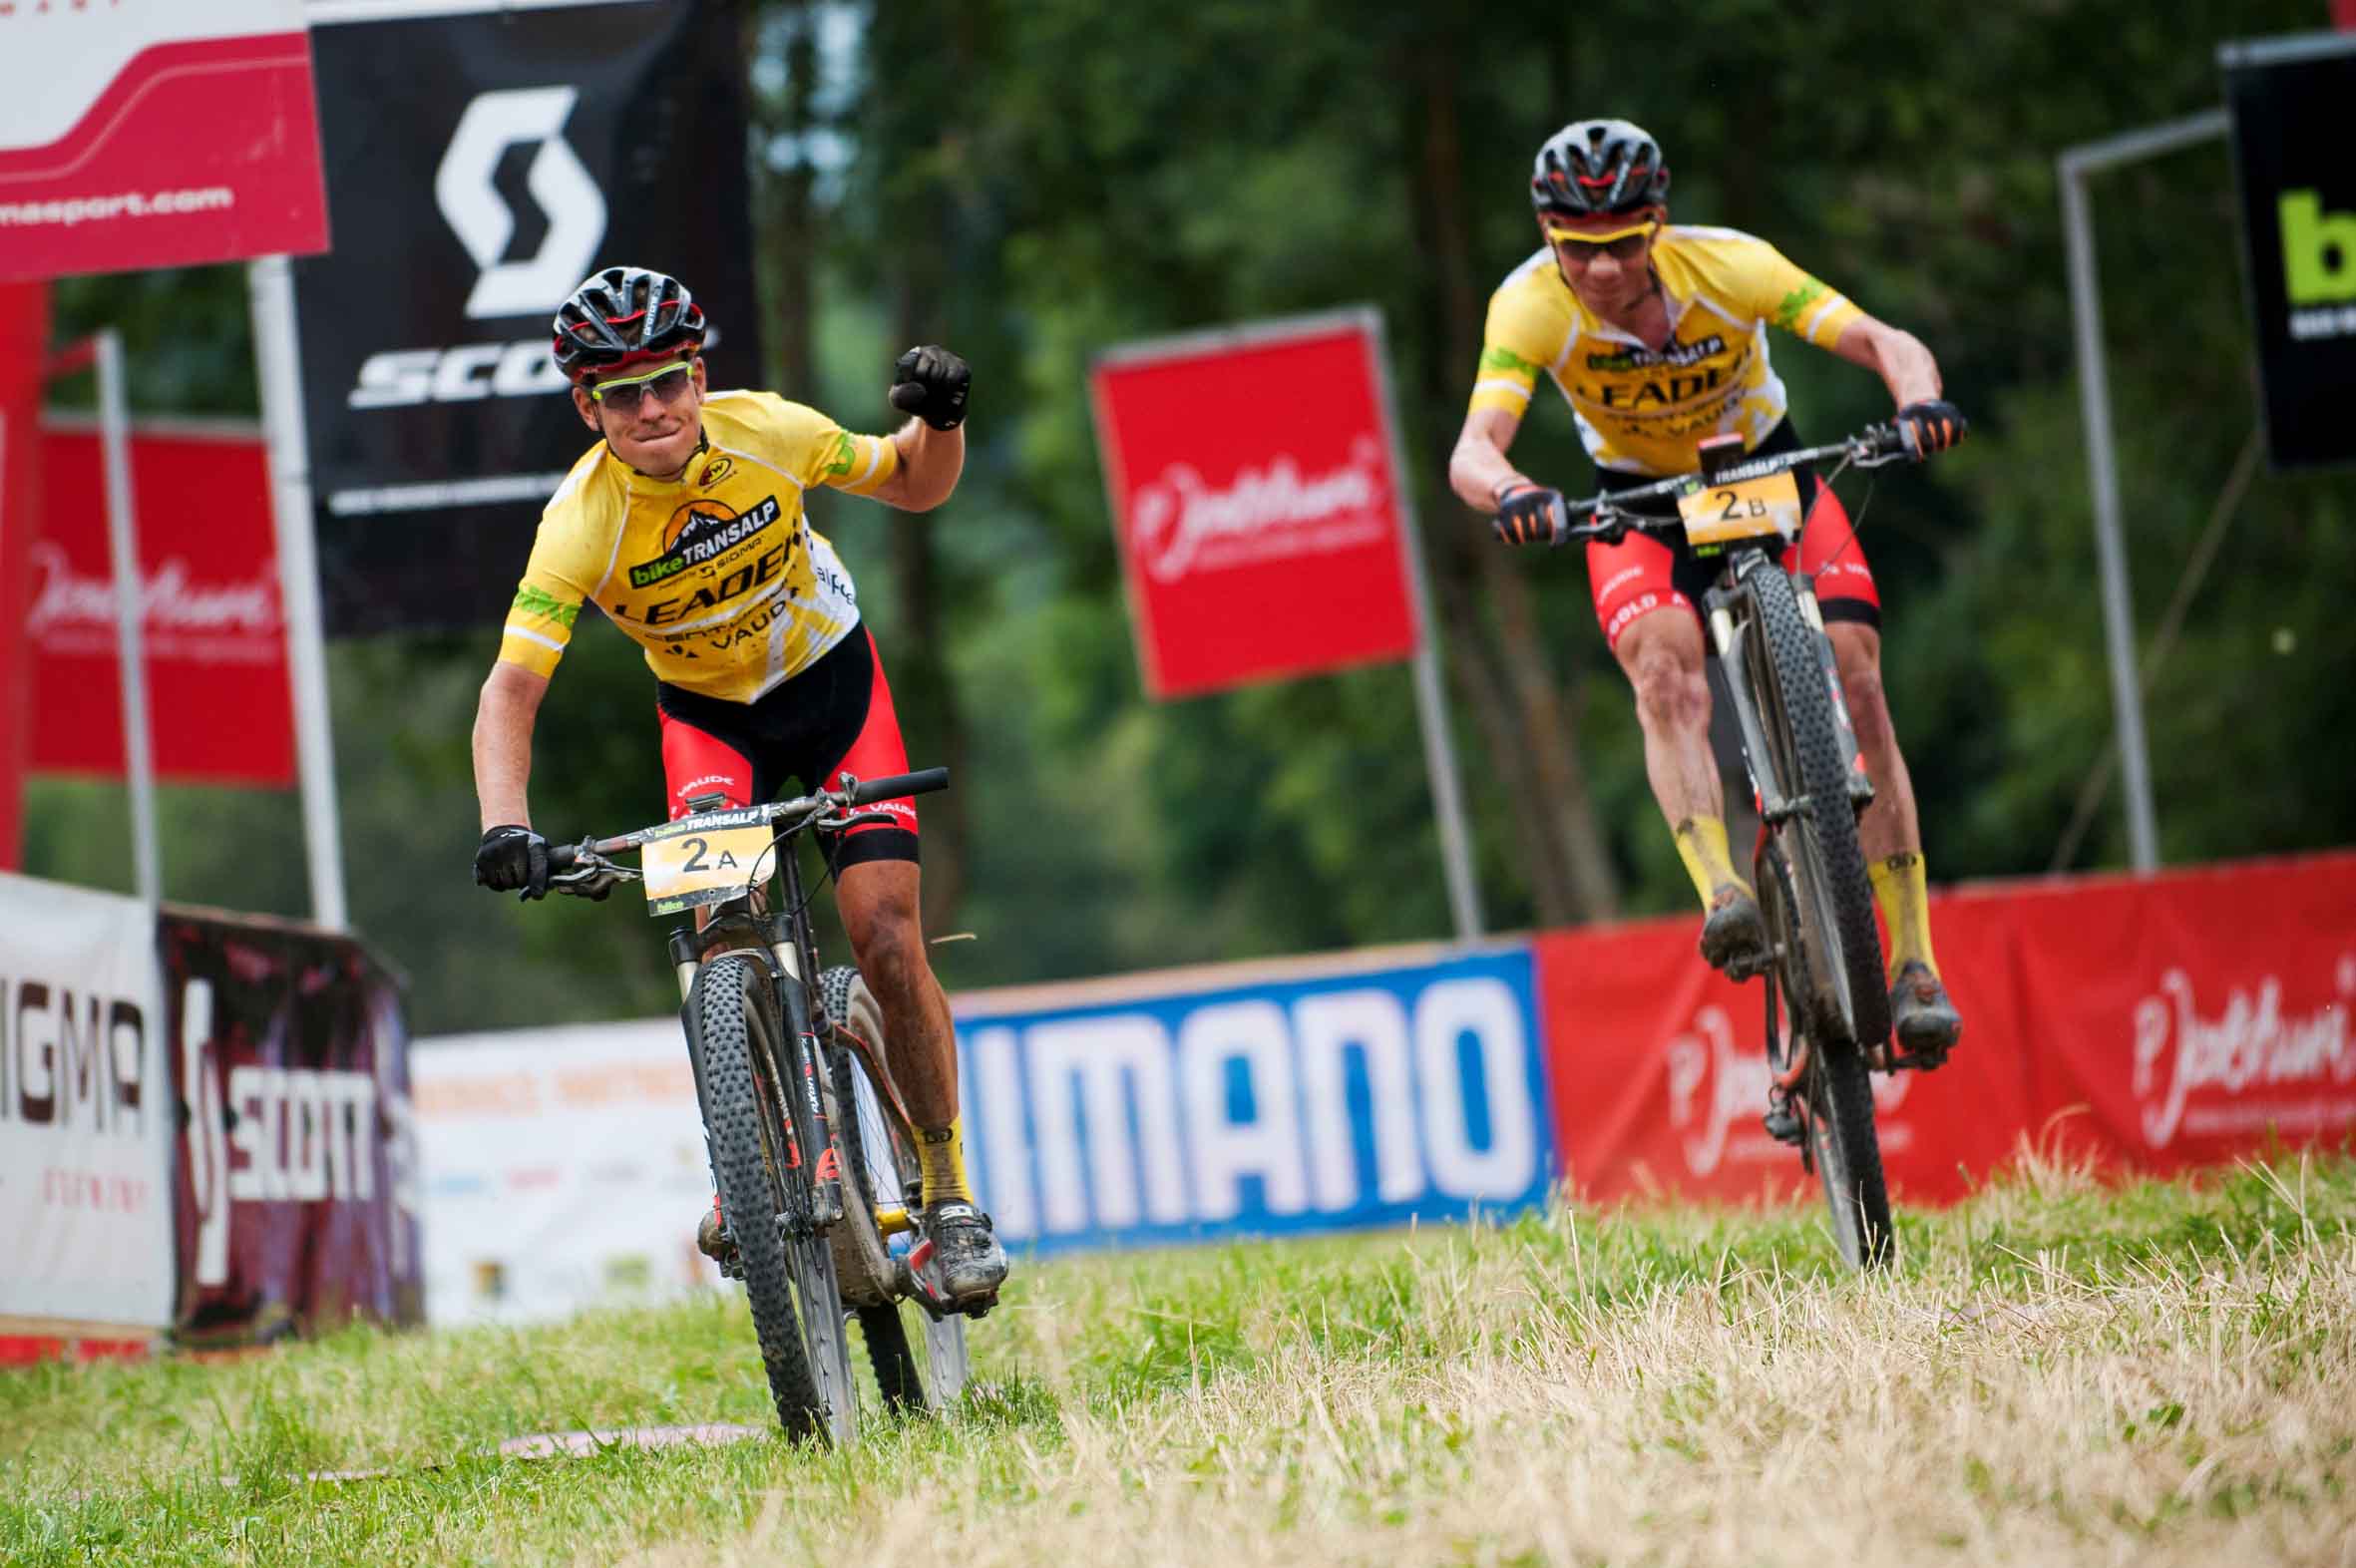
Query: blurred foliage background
(1033, 183)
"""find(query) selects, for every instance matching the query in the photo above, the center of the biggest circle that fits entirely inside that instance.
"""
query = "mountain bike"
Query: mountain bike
(1827, 997)
(813, 1152)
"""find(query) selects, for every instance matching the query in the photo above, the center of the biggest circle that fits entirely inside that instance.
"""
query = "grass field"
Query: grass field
(2059, 1372)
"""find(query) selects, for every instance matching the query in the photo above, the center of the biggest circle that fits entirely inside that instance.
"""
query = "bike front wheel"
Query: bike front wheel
(737, 1036)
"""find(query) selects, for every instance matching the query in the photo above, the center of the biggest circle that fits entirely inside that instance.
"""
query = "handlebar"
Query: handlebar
(1871, 447)
(579, 867)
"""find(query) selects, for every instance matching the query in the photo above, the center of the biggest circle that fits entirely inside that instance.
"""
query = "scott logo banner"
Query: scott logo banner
(480, 167)
(1338, 1100)
(1255, 487)
(2289, 100)
(154, 133)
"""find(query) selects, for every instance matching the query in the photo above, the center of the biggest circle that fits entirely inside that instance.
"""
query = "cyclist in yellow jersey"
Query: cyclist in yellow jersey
(1656, 335)
(685, 527)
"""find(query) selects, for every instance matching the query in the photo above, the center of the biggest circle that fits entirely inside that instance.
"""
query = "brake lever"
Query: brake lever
(859, 818)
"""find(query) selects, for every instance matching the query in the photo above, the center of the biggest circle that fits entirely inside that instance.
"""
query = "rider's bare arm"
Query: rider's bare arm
(1477, 469)
(1898, 357)
(929, 463)
(503, 742)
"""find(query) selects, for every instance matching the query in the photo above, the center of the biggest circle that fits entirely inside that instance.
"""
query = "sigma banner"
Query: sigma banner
(296, 1200)
(154, 133)
(563, 1168)
(480, 167)
(216, 642)
(1256, 494)
(86, 1111)
(2289, 100)
(1332, 1097)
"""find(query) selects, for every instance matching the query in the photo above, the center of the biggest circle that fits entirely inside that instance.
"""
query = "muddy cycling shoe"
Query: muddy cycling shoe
(960, 1262)
(714, 1242)
(1734, 935)
(1922, 1020)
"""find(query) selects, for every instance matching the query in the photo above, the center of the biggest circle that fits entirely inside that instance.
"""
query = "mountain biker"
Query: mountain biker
(686, 526)
(1655, 334)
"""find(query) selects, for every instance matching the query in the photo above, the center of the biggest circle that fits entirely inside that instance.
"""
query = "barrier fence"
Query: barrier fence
(2177, 1020)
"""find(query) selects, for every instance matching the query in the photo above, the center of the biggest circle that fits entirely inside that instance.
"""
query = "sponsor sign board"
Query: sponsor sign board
(87, 1120)
(218, 705)
(295, 1199)
(1257, 499)
(561, 1168)
(154, 133)
(2289, 103)
(1342, 1097)
(481, 167)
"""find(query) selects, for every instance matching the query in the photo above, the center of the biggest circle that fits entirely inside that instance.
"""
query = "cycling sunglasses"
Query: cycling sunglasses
(1621, 244)
(664, 383)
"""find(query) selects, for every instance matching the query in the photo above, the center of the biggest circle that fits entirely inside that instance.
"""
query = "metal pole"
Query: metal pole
(2102, 459)
(131, 601)
(270, 283)
(1439, 746)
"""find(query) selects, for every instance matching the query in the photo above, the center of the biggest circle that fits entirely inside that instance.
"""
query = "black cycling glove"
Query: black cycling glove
(1530, 513)
(511, 855)
(1931, 425)
(932, 383)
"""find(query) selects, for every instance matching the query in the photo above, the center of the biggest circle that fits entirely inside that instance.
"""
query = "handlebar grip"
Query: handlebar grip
(560, 857)
(899, 784)
(1885, 438)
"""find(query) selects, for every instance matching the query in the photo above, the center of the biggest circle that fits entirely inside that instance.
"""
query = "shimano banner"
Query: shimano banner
(2289, 99)
(479, 167)
(1330, 1098)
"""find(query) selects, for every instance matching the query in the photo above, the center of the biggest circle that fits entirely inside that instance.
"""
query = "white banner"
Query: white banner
(87, 1120)
(563, 1168)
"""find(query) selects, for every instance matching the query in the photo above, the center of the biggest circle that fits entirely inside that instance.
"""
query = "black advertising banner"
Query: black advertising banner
(294, 1188)
(479, 167)
(2292, 148)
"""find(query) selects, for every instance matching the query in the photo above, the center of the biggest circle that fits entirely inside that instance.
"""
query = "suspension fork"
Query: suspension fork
(792, 949)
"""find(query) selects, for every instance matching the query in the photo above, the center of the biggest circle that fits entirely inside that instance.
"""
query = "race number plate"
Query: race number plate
(1747, 507)
(706, 859)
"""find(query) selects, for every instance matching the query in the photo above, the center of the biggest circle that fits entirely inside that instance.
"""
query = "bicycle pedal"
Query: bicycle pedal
(1782, 1126)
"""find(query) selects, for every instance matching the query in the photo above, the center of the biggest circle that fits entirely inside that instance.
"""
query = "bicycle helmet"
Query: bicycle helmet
(621, 317)
(1593, 167)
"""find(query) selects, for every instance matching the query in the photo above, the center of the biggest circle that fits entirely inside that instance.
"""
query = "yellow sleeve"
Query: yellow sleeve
(1520, 340)
(857, 464)
(548, 600)
(817, 451)
(1781, 293)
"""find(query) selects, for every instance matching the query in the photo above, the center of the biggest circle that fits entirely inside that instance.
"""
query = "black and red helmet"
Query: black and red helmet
(1598, 166)
(622, 317)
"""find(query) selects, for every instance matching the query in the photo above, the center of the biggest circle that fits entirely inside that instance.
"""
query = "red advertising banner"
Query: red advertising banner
(1257, 500)
(24, 343)
(216, 641)
(2180, 1019)
(294, 1185)
(154, 133)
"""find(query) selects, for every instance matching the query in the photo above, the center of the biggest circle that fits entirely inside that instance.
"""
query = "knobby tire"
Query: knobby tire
(735, 1024)
(1830, 896)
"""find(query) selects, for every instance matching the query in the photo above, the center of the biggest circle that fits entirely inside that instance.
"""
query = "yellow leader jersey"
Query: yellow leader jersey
(1641, 411)
(718, 576)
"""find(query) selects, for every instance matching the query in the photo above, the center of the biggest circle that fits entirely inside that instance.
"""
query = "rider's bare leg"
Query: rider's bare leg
(1889, 831)
(1661, 652)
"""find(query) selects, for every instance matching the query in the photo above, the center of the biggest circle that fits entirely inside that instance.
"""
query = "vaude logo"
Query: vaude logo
(480, 217)
(1181, 524)
(2249, 1043)
(531, 286)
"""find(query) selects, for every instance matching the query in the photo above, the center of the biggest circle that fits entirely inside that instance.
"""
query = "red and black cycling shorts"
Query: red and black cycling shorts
(833, 717)
(1646, 571)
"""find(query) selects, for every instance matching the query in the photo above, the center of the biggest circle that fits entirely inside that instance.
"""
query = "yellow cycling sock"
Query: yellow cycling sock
(1898, 886)
(942, 1153)
(1701, 844)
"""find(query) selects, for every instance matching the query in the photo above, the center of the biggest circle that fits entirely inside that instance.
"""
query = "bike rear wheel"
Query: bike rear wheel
(880, 1171)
